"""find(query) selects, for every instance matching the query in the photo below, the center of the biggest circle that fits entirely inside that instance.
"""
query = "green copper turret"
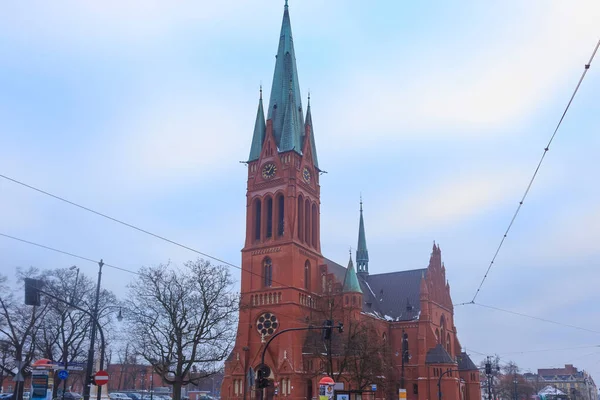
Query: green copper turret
(351, 284)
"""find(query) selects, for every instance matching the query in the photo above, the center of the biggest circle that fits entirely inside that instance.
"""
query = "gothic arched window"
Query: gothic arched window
(314, 226)
(280, 215)
(257, 218)
(301, 218)
(269, 217)
(307, 275)
(267, 272)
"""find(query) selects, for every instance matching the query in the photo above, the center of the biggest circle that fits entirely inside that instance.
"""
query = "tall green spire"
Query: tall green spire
(290, 139)
(308, 122)
(362, 254)
(351, 284)
(285, 92)
(259, 131)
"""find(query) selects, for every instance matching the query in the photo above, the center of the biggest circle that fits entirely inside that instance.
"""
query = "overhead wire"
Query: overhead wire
(67, 253)
(104, 264)
(535, 173)
(54, 249)
(127, 224)
(536, 318)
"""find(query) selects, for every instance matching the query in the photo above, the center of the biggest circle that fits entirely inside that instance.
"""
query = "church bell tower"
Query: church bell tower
(281, 258)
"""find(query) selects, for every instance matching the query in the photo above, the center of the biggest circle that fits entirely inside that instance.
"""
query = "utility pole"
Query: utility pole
(90, 360)
(488, 373)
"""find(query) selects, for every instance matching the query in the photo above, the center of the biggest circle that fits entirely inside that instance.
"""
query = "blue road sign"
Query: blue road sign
(63, 374)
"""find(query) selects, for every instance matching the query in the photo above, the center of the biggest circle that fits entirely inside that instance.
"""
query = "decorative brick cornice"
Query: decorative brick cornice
(308, 253)
(266, 251)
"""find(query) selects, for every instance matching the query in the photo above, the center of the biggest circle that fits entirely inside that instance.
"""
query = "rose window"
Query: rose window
(267, 324)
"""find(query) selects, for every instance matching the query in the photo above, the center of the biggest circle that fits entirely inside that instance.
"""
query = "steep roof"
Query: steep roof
(394, 296)
(465, 363)
(438, 355)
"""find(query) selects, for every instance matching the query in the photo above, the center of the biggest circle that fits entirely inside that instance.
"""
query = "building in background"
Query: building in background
(579, 385)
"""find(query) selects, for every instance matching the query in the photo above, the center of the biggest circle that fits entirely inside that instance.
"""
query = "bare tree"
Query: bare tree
(182, 318)
(19, 325)
(359, 355)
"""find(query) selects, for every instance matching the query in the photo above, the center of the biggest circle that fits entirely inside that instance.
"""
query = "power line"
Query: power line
(137, 228)
(560, 349)
(113, 266)
(117, 220)
(66, 253)
(585, 70)
(108, 265)
(536, 318)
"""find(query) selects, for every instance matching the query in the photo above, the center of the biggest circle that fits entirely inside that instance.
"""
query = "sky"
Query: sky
(436, 112)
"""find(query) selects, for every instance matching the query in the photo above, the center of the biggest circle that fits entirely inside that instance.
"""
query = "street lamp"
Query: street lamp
(65, 350)
(405, 356)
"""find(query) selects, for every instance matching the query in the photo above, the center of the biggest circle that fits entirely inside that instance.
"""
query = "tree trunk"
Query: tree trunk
(177, 390)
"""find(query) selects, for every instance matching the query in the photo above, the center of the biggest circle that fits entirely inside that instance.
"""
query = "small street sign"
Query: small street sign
(101, 378)
(401, 394)
(251, 377)
(63, 374)
(19, 376)
(374, 387)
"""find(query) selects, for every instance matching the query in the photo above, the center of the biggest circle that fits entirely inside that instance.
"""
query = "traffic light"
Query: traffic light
(32, 293)
(488, 368)
(327, 328)
(92, 380)
(262, 377)
(341, 328)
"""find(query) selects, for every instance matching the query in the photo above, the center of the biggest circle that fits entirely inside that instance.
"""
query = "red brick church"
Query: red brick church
(286, 282)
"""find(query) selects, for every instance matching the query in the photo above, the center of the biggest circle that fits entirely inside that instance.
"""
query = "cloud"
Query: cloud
(446, 202)
(465, 87)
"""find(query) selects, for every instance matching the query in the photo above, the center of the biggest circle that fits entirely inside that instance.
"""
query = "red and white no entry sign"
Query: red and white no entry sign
(101, 378)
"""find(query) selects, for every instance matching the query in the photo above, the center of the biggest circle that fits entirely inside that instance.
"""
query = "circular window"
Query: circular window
(267, 324)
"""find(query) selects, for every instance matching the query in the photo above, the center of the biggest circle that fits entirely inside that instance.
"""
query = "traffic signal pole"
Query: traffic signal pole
(264, 371)
(32, 292)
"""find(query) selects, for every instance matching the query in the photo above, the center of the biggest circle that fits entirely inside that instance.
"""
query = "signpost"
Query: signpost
(63, 374)
(374, 387)
(101, 378)
(251, 377)
(401, 394)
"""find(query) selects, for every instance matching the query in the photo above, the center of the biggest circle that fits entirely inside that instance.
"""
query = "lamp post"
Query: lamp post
(405, 356)
(440, 381)
(65, 350)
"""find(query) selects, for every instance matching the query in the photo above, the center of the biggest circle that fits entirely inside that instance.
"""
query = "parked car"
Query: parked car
(68, 396)
(118, 396)
(5, 396)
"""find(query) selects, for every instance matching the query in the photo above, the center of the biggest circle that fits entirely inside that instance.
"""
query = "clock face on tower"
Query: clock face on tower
(306, 174)
(269, 170)
(267, 324)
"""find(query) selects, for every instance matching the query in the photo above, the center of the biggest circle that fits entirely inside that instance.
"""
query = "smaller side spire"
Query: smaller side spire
(308, 123)
(362, 254)
(260, 129)
(351, 284)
